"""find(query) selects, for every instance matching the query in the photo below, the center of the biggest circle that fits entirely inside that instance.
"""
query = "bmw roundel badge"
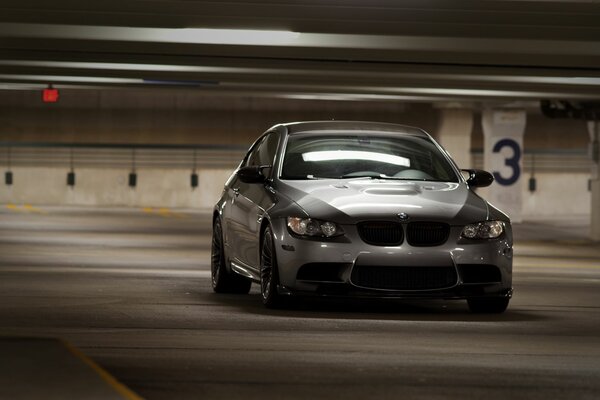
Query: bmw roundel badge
(403, 216)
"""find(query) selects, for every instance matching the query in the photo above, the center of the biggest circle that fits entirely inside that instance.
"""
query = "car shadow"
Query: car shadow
(372, 309)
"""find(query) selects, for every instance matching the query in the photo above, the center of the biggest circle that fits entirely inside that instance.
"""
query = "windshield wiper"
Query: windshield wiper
(386, 177)
(381, 176)
(307, 177)
(351, 176)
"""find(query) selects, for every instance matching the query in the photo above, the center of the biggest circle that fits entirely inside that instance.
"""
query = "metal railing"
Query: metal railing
(120, 155)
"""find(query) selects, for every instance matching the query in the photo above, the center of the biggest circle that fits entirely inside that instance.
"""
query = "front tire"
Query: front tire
(222, 280)
(491, 305)
(269, 273)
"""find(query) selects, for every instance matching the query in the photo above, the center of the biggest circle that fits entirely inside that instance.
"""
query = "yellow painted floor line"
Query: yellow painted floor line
(31, 208)
(25, 208)
(168, 213)
(108, 378)
(163, 211)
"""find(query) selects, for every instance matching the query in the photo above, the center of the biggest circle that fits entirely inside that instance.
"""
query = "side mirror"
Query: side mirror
(251, 174)
(479, 178)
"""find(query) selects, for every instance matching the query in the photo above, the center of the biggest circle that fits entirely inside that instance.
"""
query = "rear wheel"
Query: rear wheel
(491, 305)
(269, 273)
(222, 280)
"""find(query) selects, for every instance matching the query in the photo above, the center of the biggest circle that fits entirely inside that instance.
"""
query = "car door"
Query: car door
(248, 203)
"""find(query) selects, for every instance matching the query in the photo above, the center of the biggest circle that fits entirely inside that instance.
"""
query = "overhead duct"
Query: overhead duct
(565, 109)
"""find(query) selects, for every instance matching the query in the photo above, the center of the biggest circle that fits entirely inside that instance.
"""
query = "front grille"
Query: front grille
(427, 233)
(403, 278)
(381, 233)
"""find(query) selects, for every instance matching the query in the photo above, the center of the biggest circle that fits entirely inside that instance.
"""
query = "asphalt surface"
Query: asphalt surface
(130, 288)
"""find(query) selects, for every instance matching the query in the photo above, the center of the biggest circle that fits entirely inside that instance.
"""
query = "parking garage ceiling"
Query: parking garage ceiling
(414, 50)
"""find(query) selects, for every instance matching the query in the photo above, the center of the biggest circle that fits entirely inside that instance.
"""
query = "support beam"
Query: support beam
(594, 130)
(454, 134)
(503, 156)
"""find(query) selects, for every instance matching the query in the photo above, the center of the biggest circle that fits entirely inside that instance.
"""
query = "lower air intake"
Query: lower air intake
(403, 278)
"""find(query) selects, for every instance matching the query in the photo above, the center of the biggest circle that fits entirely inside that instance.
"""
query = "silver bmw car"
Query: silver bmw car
(359, 209)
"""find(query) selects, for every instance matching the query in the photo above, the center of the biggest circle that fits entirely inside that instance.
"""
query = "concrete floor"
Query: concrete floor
(131, 289)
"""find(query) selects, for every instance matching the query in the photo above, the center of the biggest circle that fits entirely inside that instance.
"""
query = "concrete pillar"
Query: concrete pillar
(454, 134)
(503, 156)
(594, 130)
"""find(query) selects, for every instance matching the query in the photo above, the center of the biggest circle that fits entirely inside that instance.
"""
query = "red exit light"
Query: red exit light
(50, 95)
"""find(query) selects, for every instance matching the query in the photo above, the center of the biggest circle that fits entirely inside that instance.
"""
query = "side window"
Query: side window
(264, 153)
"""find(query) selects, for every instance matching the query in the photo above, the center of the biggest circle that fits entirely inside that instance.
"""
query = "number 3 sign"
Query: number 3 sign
(503, 149)
(513, 162)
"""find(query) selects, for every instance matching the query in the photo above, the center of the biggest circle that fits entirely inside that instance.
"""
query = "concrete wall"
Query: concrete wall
(109, 187)
(188, 118)
(557, 195)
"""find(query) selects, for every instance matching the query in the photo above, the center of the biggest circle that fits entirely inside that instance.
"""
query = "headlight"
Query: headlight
(483, 230)
(313, 227)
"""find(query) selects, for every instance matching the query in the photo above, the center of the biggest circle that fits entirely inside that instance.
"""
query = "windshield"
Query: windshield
(353, 156)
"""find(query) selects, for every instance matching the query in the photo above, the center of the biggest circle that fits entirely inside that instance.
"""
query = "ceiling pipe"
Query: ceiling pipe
(589, 111)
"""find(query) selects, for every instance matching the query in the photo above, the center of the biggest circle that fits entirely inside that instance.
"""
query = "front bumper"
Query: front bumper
(328, 267)
(347, 290)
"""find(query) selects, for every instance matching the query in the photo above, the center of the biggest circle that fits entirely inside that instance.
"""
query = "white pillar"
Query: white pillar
(454, 134)
(594, 130)
(503, 156)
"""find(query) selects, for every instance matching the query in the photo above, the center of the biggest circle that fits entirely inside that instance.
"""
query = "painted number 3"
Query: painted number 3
(512, 162)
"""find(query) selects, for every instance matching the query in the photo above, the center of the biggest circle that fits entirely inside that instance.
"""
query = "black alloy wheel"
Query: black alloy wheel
(222, 280)
(269, 273)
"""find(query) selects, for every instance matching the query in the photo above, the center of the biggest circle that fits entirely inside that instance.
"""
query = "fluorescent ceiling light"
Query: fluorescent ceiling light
(59, 78)
(133, 67)
(295, 39)
(465, 92)
(22, 86)
(232, 36)
(158, 35)
(352, 97)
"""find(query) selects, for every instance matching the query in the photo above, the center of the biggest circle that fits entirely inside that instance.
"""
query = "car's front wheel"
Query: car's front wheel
(269, 273)
(491, 305)
(222, 280)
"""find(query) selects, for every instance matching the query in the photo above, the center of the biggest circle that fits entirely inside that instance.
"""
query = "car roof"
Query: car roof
(345, 126)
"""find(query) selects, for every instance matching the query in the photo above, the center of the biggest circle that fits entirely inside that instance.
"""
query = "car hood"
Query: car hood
(351, 201)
